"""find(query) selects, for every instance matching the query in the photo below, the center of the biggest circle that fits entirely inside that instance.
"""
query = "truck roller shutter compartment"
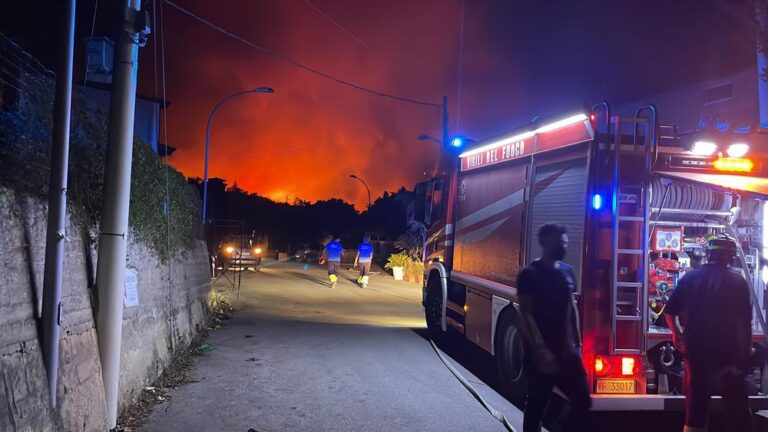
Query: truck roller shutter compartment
(559, 195)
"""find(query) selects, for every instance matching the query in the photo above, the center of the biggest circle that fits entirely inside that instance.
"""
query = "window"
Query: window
(718, 93)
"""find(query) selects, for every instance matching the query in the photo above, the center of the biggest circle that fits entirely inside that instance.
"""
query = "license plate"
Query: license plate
(615, 386)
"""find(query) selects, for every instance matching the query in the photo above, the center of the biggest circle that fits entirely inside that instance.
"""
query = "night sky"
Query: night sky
(520, 59)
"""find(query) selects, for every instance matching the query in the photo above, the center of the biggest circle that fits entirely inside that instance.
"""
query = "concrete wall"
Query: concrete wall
(167, 315)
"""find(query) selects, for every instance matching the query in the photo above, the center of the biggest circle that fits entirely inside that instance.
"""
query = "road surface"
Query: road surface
(300, 356)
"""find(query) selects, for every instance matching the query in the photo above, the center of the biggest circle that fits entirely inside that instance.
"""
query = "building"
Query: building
(734, 98)
(24, 81)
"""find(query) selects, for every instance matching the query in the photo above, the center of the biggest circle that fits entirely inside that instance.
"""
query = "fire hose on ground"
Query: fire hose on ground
(493, 411)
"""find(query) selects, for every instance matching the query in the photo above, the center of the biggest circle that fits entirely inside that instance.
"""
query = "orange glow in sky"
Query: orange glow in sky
(520, 60)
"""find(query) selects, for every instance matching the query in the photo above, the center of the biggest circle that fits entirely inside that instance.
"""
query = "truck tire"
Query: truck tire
(433, 310)
(510, 358)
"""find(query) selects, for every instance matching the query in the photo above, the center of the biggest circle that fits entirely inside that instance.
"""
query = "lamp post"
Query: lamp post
(208, 138)
(366, 187)
(424, 137)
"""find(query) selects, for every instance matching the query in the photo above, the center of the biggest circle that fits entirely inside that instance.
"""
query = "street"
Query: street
(298, 356)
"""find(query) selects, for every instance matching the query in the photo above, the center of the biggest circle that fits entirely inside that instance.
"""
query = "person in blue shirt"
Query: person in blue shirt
(332, 253)
(364, 258)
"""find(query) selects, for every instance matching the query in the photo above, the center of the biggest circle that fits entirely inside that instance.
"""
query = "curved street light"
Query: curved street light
(366, 187)
(425, 137)
(208, 138)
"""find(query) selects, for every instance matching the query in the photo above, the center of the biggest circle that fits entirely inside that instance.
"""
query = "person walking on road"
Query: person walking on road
(546, 291)
(332, 255)
(716, 351)
(364, 258)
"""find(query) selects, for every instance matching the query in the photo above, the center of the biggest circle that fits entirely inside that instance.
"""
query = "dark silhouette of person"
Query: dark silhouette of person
(546, 289)
(716, 350)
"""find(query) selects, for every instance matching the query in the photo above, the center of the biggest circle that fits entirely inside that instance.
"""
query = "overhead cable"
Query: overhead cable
(339, 26)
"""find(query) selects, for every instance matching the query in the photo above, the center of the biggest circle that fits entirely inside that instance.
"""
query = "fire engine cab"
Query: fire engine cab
(639, 200)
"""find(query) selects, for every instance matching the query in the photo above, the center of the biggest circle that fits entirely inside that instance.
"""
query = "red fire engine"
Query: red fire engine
(638, 200)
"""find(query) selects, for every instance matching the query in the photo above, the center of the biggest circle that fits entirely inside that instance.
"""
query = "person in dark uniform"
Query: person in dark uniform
(716, 350)
(546, 291)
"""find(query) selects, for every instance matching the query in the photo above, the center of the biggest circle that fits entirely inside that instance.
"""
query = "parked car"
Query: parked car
(240, 253)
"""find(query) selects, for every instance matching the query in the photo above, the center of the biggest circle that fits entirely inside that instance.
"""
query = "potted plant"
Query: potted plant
(396, 262)
(416, 268)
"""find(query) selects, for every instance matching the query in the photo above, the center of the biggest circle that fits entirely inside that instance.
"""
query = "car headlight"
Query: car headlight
(257, 251)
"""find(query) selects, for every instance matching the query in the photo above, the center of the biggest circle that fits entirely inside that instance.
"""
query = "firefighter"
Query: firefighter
(332, 255)
(546, 292)
(716, 351)
(364, 258)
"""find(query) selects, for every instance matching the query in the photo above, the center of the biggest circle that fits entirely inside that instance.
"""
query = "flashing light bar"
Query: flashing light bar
(734, 165)
(525, 135)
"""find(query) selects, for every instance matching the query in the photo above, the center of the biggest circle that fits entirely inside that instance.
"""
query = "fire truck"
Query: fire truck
(639, 200)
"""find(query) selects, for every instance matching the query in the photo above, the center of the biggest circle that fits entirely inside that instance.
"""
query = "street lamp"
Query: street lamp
(366, 187)
(208, 138)
(424, 137)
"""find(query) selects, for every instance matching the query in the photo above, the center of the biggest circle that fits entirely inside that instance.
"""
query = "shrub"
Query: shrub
(399, 259)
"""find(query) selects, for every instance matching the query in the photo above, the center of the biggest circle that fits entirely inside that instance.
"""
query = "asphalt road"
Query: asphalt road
(300, 356)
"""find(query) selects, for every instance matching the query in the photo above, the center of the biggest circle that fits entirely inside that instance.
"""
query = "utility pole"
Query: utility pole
(446, 135)
(57, 203)
(117, 191)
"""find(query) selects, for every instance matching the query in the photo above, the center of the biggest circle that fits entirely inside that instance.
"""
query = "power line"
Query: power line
(339, 26)
(295, 150)
(172, 317)
(93, 29)
(296, 63)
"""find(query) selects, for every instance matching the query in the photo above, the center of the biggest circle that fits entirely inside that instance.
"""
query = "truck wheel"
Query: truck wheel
(433, 311)
(510, 358)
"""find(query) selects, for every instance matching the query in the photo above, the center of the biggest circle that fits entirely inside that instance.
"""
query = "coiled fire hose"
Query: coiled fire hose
(494, 412)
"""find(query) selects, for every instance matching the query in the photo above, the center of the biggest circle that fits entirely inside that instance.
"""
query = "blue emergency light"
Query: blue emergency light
(457, 142)
(597, 201)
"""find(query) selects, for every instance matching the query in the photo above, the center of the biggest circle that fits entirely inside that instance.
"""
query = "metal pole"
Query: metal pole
(208, 139)
(446, 137)
(366, 188)
(114, 222)
(57, 204)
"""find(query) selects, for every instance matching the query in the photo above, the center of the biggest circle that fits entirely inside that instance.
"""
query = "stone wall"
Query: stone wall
(167, 316)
